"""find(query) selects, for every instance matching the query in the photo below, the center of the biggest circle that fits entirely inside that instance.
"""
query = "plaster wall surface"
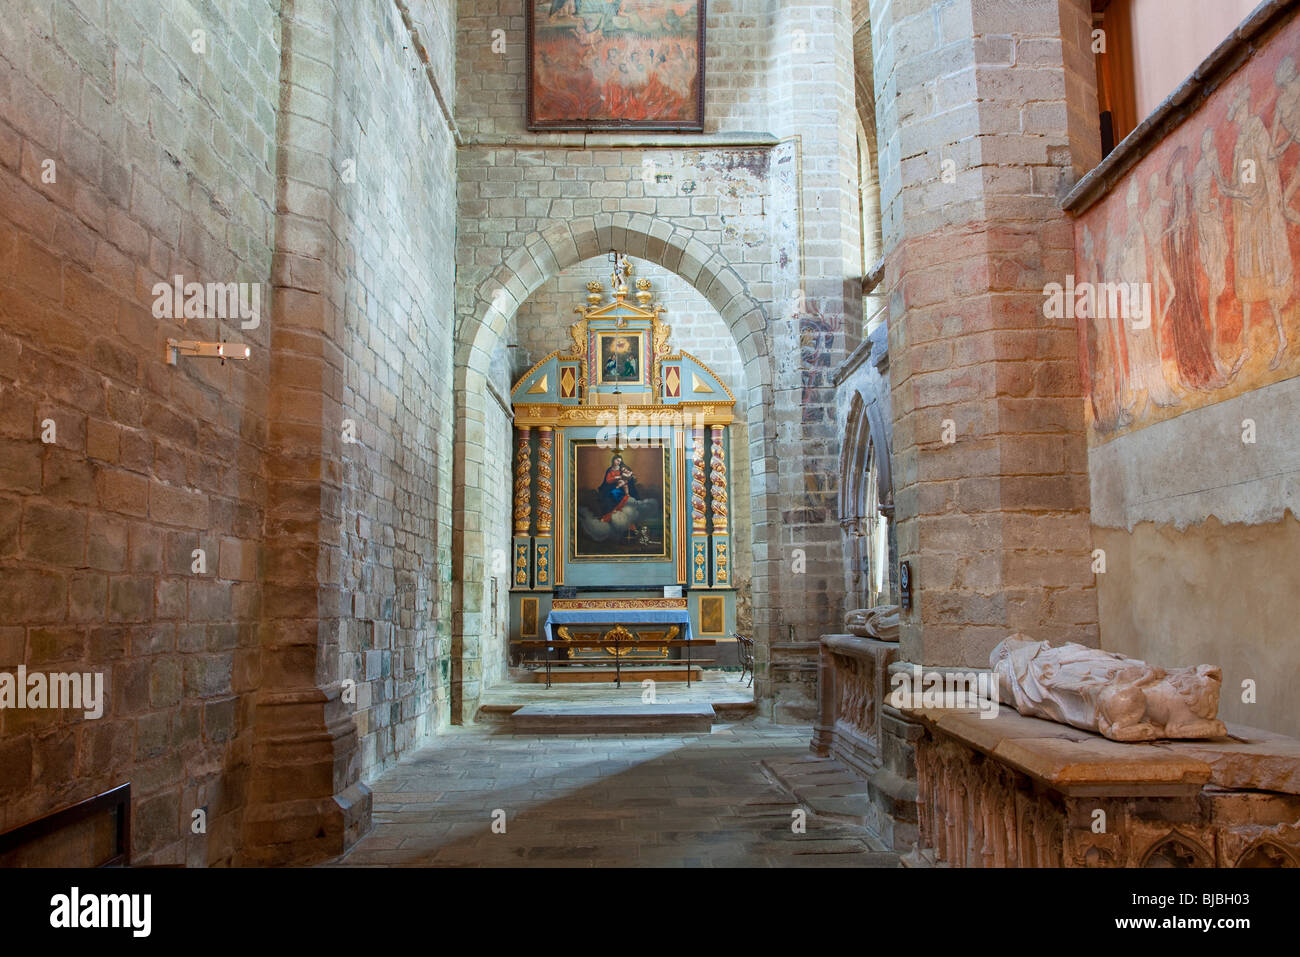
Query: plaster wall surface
(1194, 470)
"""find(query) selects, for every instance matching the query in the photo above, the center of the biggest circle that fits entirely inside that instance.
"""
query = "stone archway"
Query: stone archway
(481, 325)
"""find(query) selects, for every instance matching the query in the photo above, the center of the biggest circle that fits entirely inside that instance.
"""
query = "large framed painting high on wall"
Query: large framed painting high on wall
(624, 64)
(619, 501)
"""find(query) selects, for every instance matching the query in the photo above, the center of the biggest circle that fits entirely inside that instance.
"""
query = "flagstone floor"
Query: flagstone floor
(699, 800)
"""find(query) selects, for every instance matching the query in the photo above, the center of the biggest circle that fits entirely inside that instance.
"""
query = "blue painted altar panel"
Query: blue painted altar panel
(548, 370)
(629, 616)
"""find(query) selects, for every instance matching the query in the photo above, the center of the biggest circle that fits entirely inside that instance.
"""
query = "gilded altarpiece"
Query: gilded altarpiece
(622, 454)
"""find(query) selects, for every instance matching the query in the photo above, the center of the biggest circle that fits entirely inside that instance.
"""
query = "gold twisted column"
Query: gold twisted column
(718, 477)
(697, 483)
(523, 489)
(544, 488)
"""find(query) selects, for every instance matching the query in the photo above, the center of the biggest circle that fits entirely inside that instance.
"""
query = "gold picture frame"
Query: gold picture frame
(528, 618)
(586, 501)
(621, 358)
(713, 615)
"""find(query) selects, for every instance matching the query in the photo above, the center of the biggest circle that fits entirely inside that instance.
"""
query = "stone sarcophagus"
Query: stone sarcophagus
(852, 685)
(1018, 791)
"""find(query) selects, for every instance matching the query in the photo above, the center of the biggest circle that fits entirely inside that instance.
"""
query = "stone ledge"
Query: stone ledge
(1067, 760)
(1077, 763)
(578, 140)
(1249, 759)
(853, 646)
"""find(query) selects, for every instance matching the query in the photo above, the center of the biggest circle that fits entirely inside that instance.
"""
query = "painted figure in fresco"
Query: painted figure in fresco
(1155, 223)
(618, 488)
(1211, 234)
(1104, 365)
(1196, 361)
(1124, 393)
(1286, 121)
(1262, 255)
(1146, 374)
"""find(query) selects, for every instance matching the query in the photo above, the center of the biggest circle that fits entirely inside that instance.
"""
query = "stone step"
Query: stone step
(587, 674)
(612, 719)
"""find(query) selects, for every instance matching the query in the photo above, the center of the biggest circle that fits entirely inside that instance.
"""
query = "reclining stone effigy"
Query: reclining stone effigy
(1119, 697)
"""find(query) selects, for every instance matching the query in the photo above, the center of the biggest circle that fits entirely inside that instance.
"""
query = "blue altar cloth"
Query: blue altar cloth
(629, 616)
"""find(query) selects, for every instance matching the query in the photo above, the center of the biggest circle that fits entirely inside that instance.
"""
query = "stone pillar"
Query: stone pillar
(816, 321)
(986, 113)
(993, 105)
(306, 799)
(824, 726)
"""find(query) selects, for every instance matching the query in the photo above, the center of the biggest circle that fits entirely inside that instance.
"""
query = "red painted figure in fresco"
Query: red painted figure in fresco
(1194, 350)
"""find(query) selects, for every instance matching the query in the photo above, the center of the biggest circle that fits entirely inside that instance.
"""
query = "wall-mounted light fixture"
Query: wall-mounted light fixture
(205, 350)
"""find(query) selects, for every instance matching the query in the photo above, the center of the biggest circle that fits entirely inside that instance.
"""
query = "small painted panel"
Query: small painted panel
(673, 381)
(713, 615)
(568, 382)
(540, 384)
(528, 618)
(699, 383)
(699, 564)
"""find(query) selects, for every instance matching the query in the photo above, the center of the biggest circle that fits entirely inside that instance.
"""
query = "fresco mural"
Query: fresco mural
(1198, 242)
(632, 64)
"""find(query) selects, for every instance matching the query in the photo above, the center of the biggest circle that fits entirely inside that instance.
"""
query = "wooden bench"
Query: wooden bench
(618, 659)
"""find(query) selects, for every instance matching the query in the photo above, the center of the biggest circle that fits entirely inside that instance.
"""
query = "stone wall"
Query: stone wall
(126, 158)
(751, 213)
(985, 111)
(1194, 468)
(267, 599)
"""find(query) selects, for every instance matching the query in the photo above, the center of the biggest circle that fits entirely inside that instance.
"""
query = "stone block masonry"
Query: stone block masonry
(301, 146)
(756, 215)
(127, 158)
(990, 471)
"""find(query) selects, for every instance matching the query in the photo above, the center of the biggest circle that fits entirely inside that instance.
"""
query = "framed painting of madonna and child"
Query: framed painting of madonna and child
(619, 503)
